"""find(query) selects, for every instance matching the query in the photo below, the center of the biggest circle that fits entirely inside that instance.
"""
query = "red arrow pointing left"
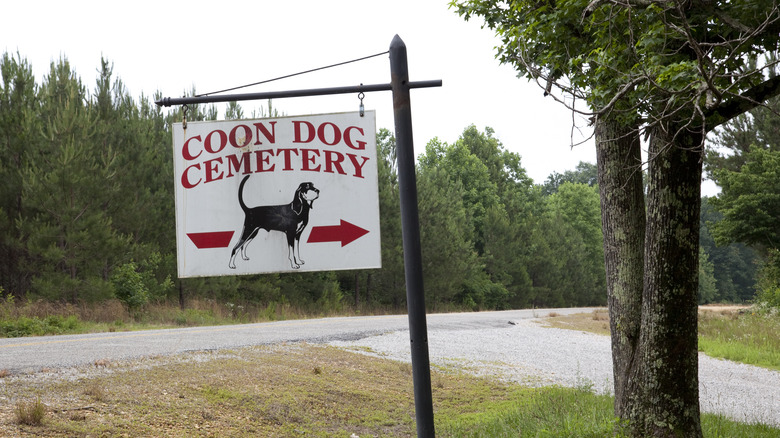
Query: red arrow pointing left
(345, 233)
(215, 239)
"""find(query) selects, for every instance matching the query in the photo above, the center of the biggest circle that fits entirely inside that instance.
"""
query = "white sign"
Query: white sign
(286, 194)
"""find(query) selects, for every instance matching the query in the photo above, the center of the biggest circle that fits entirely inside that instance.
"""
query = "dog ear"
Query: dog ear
(297, 204)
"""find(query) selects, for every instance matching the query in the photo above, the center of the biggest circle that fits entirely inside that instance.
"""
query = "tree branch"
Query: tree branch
(743, 103)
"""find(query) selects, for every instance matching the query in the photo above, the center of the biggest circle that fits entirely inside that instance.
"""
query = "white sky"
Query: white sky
(172, 46)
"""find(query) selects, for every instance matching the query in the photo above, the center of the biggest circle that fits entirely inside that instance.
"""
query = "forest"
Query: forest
(87, 213)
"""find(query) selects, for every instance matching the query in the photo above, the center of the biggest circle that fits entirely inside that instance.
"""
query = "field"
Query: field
(302, 390)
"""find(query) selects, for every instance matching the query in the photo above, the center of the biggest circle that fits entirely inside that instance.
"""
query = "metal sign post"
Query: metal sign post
(415, 295)
(410, 222)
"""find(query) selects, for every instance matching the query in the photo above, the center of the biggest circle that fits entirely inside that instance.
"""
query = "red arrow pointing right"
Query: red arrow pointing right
(345, 233)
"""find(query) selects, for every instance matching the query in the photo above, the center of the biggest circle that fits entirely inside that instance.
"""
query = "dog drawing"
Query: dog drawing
(291, 219)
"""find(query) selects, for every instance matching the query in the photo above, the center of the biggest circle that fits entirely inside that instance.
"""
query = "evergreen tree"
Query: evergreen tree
(19, 127)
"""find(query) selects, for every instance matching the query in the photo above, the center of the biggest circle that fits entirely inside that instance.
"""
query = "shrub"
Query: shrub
(129, 286)
(768, 287)
(30, 413)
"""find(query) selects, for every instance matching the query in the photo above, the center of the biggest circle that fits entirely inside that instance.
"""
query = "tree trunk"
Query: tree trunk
(623, 223)
(357, 290)
(666, 403)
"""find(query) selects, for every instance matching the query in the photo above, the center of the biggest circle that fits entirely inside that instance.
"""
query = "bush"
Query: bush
(30, 413)
(129, 286)
(768, 286)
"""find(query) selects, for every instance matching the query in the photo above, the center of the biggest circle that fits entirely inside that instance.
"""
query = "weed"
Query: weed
(741, 337)
(30, 413)
(270, 391)
(96, 391)
(600, 315)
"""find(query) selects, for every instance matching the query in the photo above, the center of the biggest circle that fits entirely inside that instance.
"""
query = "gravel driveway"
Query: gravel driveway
(527, 353)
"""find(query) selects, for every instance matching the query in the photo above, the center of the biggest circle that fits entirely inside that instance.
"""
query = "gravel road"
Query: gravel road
(509, 345)
(528, 353)
(29, 355)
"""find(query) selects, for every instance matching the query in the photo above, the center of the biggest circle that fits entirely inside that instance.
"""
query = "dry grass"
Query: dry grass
(594, 322)
(278, 391)
(30, 413)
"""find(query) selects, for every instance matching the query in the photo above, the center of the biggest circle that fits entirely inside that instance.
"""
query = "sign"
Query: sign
(284, 194)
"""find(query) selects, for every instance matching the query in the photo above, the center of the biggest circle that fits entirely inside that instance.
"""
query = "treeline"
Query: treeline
(87, 214)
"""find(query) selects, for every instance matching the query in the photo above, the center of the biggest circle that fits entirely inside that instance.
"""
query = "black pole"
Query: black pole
(410, 222)
(168, 101)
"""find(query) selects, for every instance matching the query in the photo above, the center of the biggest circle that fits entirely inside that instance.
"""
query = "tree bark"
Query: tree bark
(666, 403)
(623, 222)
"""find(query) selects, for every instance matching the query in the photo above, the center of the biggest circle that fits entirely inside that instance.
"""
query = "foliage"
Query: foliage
(30, 413)
(317, 391)
(640, 58)
(35, 326)
(584, 173)
(708, 289)
(768, 295)
(748, 337)
(750, 200)
(129, 287)
(733, 265)
(674, 70)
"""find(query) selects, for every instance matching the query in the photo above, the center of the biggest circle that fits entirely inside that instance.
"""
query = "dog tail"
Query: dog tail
(241, 194)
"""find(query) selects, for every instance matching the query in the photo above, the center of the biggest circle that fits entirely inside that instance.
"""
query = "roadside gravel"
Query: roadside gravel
(527, 353)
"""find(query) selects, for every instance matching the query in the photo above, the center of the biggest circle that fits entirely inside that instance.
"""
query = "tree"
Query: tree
(674, 70)
(68, 193)
(734, 265)
(584, 173)
(389, 280)
(18, 126)
(750, 201)
(578, 206)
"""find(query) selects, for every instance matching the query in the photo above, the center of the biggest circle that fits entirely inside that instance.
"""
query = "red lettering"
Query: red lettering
(348, 138)
(264, 160)
(185, 150)
(212, 167)
(297, 131)
(247, 136)
(333, 160)
(185, 181)
(358, 166)
(235, 163)
(336, 134)
(309, 155)
(222, 141)
(286, 153)
(270, 136)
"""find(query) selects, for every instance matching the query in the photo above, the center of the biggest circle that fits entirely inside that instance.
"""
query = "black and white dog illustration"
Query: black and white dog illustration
(291, 219)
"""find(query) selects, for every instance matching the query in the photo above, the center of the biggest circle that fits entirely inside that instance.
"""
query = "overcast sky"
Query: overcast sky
(173, 46)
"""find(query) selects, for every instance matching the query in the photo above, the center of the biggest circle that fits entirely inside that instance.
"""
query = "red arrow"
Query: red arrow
(345, 233)
(216, 239)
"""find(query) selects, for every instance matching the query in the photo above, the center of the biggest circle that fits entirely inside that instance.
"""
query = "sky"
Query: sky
(174, 46)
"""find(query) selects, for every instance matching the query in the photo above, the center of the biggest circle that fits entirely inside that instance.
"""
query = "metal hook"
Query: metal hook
(185, 109)
(362, 108)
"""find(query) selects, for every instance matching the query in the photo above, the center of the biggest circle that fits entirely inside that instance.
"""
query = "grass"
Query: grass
(734, 334)
(595, 322)
(30, 413)
(306, 390)
(46, 318)
(750, 338)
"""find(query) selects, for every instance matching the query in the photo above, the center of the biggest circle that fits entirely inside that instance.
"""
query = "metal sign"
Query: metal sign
(284, 194)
